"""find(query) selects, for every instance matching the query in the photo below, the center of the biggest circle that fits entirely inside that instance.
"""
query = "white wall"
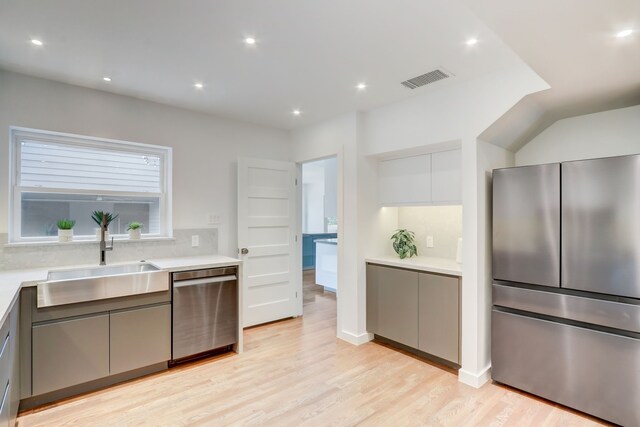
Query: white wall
(205, 147)
(479, 160)
(362, 224)
(604, 134)
(459, 114)
(448, 113)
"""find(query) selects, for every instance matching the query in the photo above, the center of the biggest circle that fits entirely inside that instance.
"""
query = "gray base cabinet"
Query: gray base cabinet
(439, 316)
(70, 352)
(416, 309)
(393, 303)
(139, 338)
(9, 373)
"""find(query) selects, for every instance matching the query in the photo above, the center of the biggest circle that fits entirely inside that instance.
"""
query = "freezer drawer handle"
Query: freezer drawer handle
(204, 281)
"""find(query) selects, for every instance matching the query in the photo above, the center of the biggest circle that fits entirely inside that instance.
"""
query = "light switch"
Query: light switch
(195, 241)
(429, 241)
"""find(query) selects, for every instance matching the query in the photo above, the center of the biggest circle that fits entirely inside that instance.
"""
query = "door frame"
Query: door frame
(339, 171)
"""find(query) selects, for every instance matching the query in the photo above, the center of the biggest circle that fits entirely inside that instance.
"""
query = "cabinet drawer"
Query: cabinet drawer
(70, 352)
(592, 371)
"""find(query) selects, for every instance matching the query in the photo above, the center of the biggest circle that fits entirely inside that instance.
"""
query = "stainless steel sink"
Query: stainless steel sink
(96, 283)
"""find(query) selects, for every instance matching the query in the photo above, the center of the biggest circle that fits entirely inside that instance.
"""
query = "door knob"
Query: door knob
(244, 251)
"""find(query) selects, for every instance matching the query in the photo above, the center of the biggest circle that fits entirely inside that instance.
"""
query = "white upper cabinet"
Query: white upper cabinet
(446, 177)
(405, 181)
(421, 180)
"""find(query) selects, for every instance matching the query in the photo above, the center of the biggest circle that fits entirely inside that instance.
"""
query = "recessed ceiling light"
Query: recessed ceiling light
(624, 33)
(250, 40)
(296, 112)
(198, 85)
(471, 42)
(36, 42)
(361, 86)
(106, 79)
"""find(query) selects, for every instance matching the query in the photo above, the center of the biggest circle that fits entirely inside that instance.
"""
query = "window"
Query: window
(58, 176)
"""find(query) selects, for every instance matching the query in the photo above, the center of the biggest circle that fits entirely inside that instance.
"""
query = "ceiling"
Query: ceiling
(572, 45)
(309, 54)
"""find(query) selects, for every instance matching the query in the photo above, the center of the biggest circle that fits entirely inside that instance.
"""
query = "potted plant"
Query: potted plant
(65, 230)
(403, 243)
(103, 219)
(135, 230)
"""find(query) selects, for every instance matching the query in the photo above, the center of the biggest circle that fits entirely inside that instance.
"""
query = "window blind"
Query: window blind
(69, 166)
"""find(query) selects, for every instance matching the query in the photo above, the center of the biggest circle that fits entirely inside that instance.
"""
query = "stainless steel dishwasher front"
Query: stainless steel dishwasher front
(205, 311)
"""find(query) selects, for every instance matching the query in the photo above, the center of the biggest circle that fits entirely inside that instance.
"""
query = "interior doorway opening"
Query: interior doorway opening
(319, 232)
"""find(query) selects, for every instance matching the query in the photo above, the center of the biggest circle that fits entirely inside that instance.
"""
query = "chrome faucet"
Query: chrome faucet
(103, 246)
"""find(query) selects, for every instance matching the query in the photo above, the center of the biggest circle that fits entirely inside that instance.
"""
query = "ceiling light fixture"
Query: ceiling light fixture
(106, 79)
(36, 42)
(624, 33)
(296, 112)
(198, 85)
(361, 86)
(250, 41)
(471, 42)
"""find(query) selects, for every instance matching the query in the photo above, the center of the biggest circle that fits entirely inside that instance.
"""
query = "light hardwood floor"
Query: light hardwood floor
(297, 373)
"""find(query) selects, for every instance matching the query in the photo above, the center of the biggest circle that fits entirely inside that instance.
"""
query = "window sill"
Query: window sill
(86, 242)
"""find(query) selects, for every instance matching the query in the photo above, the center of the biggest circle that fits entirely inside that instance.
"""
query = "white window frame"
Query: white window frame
(18, 134)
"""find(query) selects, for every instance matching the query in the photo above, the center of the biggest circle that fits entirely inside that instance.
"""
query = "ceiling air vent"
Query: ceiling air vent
(425, 79)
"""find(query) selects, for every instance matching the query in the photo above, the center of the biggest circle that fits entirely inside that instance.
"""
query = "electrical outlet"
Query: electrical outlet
(195, 241)
(213, 218)
(429, 241)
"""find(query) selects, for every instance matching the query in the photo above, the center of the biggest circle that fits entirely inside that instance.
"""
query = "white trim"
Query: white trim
(17, 134)
(82, 240)
(354, 339)
(475, 380)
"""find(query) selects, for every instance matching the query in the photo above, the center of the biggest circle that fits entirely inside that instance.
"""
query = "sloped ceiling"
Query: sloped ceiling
(572, 45)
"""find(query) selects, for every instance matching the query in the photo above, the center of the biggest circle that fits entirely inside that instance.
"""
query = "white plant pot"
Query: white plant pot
(65, 236)
(135, 234)
(106, 235)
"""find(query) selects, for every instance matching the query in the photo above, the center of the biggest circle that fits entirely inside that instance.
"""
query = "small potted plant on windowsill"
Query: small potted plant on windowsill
(65, 230)
(135, 230)
(103, 219)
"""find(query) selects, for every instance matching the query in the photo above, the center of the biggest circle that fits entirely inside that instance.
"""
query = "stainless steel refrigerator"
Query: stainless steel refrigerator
(566, 288)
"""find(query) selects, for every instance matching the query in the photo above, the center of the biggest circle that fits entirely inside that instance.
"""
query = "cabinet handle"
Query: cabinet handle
(4, 345)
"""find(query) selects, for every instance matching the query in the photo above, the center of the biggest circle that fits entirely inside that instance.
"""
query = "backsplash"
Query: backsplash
(444, 223)
(33, 256)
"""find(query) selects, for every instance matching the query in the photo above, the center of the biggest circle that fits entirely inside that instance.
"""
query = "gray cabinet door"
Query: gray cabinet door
(140, 338)
(396, 309)
(14, 389)
(526, 224)
(439, 316)
(70, 352)
(372, 298)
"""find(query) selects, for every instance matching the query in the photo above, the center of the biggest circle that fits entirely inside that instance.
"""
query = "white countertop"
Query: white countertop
(422, 263)
(11, 281)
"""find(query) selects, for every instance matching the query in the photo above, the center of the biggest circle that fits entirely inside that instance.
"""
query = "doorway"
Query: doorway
(319, 232)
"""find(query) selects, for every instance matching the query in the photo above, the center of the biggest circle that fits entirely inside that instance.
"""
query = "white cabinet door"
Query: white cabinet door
(446, 176)
(405, 181)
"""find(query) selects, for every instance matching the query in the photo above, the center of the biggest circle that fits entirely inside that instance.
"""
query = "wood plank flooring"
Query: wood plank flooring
(297, 373)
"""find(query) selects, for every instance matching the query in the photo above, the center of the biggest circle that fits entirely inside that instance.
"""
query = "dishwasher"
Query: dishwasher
(205, 312)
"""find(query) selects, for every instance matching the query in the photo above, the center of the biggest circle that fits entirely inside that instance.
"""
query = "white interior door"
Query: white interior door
(266, 239)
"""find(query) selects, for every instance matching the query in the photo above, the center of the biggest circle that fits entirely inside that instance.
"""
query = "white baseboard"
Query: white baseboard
(475, 380)
(355, 339)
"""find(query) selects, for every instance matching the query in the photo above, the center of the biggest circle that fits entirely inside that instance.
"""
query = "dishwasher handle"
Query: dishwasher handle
(204, 281)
